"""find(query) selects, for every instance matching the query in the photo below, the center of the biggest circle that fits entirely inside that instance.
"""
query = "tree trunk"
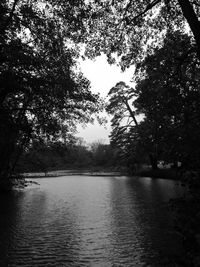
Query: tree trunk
(192, 19)
(153, 161)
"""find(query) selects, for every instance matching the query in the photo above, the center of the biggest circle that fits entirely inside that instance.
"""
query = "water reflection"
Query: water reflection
(142, 218)
(88, 221)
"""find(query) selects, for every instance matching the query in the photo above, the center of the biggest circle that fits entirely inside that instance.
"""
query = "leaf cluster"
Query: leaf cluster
(41, 93)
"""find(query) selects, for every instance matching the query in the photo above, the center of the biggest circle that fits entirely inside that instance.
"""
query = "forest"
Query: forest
(43, 96)
(74, 156)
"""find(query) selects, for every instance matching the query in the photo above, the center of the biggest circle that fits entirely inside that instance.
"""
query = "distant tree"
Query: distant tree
(41, 94)
(48, 156)
(127, 133)
(83, 157)
(99, 151)
(103, 155)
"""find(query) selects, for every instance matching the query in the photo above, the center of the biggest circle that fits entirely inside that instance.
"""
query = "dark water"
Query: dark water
(89, 221)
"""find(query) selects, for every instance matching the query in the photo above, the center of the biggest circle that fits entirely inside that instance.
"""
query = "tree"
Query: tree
(41, 94)
(128, 134)
(168, 94)
(100, 153)
(133, 29)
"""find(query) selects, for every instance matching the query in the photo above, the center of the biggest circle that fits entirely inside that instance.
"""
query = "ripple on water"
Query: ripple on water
(84, 221)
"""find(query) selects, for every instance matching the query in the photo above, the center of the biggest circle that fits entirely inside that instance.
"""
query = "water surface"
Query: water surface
(89, 221)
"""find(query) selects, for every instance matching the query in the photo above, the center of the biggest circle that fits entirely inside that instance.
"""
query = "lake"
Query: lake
(89, 221)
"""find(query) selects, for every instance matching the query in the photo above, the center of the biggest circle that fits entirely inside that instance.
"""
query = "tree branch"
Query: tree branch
(131, 112)
(9, 17)
(192, 19)
(148, 7)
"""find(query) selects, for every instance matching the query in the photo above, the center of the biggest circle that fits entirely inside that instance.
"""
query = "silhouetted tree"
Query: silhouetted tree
(127, 133)
(168, 94)
(41, 94)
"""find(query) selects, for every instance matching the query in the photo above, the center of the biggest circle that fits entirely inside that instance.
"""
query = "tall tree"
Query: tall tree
(127, 133)
(168, 94)
(41, 93)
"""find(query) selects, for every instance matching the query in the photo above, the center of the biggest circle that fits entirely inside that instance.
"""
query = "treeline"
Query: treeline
(44, 157)
(159, 119)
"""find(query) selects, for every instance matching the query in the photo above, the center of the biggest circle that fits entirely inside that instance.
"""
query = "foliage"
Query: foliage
(74, 154)
(130, 136)
(44, 157)
(103, 154)
(168, 94)
(133, 29)
(41, 93)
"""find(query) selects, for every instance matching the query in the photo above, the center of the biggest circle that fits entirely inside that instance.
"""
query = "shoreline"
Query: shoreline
(29, 177)
(170, 174)
(74, 173)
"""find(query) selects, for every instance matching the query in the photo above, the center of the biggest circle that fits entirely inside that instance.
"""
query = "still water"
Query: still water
(89, 221)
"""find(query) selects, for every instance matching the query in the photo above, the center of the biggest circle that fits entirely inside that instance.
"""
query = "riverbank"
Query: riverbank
(160, 173)
(59, 173)
(171, 174)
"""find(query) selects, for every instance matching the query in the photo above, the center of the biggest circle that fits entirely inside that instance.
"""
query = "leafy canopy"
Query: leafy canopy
(133, 29)
(41, 92)
(167, 93)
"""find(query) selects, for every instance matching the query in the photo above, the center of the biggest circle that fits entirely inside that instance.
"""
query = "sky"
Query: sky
(102, 77)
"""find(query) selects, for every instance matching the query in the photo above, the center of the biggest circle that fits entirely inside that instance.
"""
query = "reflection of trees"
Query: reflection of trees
(9, 230)
(141, 221)
(33, 229)
(85, 219)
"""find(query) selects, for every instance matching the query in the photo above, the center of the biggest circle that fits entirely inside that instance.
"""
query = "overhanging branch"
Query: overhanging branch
(148, 7)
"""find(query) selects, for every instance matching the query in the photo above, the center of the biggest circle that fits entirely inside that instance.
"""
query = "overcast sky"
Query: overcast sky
(102, 77)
